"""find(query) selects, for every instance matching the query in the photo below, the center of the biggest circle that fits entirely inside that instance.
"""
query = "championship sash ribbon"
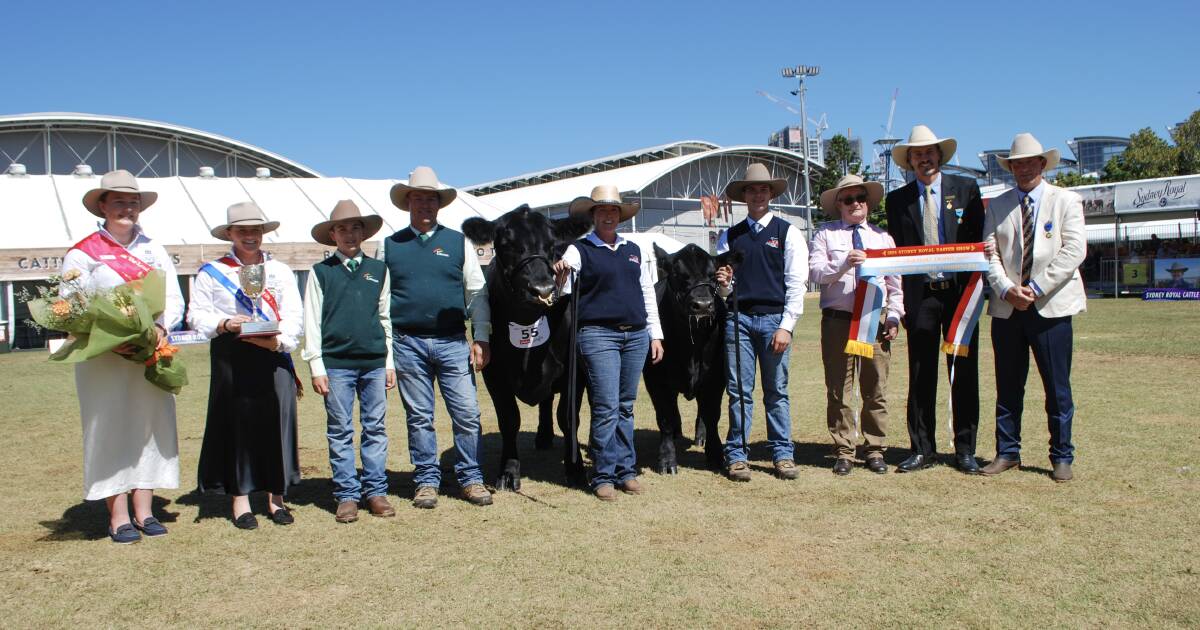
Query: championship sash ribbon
(104, 249)
(921, 259)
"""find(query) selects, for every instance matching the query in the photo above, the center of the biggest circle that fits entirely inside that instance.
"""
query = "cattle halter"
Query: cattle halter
(511, 273)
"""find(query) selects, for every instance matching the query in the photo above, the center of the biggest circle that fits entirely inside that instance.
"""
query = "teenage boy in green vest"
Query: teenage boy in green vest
(348, 346)
(436, 283)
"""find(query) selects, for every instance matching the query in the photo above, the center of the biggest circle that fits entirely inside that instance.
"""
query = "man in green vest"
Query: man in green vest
(348, 346)
(436, 284)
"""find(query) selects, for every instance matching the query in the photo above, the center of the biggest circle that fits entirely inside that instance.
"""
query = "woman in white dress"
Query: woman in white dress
(250, 433)
(129, 436)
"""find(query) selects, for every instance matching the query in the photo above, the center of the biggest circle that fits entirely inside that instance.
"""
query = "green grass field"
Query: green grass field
(1116, 547)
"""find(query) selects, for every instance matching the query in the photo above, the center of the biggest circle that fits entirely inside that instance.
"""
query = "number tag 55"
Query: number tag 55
(530, 336)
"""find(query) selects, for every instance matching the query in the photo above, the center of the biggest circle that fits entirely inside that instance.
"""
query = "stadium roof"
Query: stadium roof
(76, 122)
(631, 178)
(612, 162)
(49, 211)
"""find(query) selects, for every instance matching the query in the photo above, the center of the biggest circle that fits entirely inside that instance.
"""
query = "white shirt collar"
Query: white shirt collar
(595, 240)
(764, 221)
(936, 185)
(138, 234)
(418, 233)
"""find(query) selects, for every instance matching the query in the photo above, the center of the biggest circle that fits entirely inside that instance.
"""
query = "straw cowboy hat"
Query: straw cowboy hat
(1175, 266)
(604, 195)
(922, 136)
(245, 213)
(346, 211)
(829, 197)
(1024, 145)
(422, 178)
(117, 181)
(756, 173)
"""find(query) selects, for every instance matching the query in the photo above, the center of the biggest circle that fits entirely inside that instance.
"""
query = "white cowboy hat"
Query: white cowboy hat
(604, 195)
(829, 197)
(922, 136)
(756, 173)
(1024, 145)
(422, 178)
(117, 181)
(344, 212)
(244, 213)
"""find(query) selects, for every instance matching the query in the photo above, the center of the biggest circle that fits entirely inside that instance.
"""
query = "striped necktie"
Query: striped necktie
(755, 227)
(1027, 229)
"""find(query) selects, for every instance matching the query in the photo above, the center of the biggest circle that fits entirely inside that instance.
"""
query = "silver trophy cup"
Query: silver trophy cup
(253, 279)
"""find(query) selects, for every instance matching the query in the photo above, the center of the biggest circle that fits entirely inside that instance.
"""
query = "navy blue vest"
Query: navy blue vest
(760, 280)
(610, 290)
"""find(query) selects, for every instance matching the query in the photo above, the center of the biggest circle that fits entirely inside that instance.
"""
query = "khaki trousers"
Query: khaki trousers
(839, 389)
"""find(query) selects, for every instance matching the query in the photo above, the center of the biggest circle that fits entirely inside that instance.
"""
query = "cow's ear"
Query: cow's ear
(572, 227)
(479, 230)
(733, 258)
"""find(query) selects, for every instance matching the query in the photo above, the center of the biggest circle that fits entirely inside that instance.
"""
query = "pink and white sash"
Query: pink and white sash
(104, 249)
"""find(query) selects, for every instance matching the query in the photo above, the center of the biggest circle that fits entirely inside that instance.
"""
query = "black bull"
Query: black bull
(693, 363)
(521, 291)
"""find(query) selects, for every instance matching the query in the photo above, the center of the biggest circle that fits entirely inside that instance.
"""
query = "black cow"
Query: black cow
(521, 291)
(693, 322)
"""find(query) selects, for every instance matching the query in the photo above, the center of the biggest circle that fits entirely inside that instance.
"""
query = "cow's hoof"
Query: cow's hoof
(699, 441)
(668, 468)
(510, 476)
(576, 475)
(701, 434)
(544, 441)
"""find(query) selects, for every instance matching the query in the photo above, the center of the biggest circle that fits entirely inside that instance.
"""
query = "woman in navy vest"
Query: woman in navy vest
(618, 320)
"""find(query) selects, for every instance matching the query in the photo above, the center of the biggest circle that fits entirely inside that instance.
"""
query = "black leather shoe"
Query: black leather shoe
(876, 465)
(246, 521)
(915, 462)
(282, 516)
(841, 466)
(966, 463)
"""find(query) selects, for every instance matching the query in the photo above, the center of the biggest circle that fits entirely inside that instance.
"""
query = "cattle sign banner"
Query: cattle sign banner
(920, 259)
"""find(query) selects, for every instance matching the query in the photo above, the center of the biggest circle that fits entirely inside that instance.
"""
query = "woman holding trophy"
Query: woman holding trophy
(129, 439)
(249, 305)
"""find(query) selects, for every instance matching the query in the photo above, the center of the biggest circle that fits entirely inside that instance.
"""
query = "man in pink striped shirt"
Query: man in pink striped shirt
(837, 250)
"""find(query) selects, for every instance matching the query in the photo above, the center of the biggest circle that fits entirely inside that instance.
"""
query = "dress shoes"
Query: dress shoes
(605, 492)
(915, 462)
(282, 516)
(786, 469)
(738, 471)
(999, 465)
(632, 486)
(150, 527)
(379, 506)
(124, 534)
(477, 494)
(1062, 472)
(842, 466)
(246, 521)
(965, 462)
(876, 465)
(426, 498)
(347, 512)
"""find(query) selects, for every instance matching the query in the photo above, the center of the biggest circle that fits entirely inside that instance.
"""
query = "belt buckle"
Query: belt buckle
(624, 327)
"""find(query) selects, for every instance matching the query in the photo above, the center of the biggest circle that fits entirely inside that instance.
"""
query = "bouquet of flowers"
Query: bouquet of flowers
(100, 321)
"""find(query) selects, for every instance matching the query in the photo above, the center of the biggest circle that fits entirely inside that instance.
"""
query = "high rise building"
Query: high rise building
(1093, 152)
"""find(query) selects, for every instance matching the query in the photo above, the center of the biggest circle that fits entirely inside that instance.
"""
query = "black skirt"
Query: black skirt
(250, 435)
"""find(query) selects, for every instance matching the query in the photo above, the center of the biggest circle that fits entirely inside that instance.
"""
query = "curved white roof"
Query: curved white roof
(61, 120)
(50, 212)
(627, 179)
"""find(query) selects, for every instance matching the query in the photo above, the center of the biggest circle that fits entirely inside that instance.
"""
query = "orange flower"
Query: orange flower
(60, 308)
(165, 352)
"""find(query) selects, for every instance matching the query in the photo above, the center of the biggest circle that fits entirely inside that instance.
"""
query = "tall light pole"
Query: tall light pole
(799, 72)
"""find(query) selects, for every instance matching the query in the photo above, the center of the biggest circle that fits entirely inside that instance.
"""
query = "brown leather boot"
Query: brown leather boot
(632, 486)
(347, 512)
(379, 506)
(426, 498)
(999, 465)
(605, 492)
(476, 494)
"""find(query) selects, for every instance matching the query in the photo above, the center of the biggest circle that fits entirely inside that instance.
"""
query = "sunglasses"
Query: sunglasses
(853, 199)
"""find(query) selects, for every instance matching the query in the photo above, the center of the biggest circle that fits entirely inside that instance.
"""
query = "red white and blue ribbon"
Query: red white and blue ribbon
(921, 259)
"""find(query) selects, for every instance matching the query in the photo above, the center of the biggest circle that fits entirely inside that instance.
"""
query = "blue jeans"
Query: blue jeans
(614, 361)
(370, 385)
(419, 360)
(756, 332)
(1050, 339)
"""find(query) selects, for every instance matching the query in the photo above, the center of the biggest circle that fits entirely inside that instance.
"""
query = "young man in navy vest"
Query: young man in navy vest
(348, 346)
(436, 283)
(770, 285)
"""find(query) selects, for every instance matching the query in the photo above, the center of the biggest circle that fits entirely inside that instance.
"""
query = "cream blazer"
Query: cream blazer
(1056, 258)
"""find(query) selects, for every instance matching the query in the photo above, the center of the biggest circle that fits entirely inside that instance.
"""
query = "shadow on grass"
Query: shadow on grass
(88, 520)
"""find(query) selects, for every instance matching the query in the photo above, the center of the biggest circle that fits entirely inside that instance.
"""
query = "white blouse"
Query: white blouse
(212, 302)
(95, 275)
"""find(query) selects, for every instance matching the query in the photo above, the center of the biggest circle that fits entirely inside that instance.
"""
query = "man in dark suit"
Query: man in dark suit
(934, 209)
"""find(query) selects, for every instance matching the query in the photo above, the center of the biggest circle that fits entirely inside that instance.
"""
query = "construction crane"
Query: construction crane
(884, 159)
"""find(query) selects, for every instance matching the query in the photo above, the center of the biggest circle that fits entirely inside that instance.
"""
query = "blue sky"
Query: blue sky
(482, 91)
